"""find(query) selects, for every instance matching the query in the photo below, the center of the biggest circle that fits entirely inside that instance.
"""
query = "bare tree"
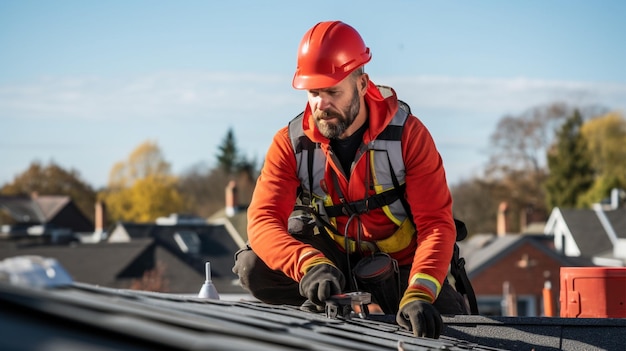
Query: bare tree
(203, 189)
(520, 142)
(516, 171)
(475, 205)
(52, 179)
(152, 280)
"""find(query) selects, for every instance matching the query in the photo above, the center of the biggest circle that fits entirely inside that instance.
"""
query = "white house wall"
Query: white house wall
(562, 236)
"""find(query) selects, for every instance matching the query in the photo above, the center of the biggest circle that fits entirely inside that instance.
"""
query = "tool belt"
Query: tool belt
(398, 241)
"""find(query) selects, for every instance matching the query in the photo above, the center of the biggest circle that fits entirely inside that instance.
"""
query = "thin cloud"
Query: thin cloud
(161, 95)
(191, 94)
(498, 96)
(191, 111)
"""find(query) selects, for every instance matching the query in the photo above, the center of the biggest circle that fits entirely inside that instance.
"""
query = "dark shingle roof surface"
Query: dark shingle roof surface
(89, 318)
(22, 209)
(617, 218)
(85, 317)
(587, 231)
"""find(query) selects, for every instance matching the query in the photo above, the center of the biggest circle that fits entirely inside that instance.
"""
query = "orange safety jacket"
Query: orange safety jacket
(426, 190)
(387, 180)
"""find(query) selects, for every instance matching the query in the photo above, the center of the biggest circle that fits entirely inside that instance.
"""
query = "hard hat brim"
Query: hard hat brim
(317, 81)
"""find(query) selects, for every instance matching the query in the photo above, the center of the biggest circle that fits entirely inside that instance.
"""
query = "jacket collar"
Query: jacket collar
(382, 104)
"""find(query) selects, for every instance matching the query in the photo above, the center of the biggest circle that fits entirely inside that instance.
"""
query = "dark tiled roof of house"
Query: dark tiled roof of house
(617, 218)
(91, 263)
(481, 250)
(239, 221)
(51, 205)
(86, 317)
(193, 244)
(478, 250)
(136, 230)
(119, 264)
(23, 209)
(587, 231)
(40, 209)
(52, 211)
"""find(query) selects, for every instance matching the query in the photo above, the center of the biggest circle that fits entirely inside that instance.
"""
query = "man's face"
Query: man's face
(335, 108)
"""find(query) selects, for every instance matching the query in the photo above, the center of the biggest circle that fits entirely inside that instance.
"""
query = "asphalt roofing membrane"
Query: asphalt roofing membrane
(87, 317)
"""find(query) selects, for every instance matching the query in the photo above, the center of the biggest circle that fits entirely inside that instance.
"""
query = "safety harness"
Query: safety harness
(386, 157)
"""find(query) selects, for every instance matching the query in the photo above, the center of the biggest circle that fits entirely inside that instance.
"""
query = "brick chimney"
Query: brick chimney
(99, 217)
(231, 198)
(502, 222)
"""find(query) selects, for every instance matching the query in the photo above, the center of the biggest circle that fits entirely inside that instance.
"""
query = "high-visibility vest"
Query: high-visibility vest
(388, 168)
(386, 156)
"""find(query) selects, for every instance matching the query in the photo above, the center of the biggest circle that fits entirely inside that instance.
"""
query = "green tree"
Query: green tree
(141, 189)
(606, 143)
(53, 180)
(229, 158)
(571, 173)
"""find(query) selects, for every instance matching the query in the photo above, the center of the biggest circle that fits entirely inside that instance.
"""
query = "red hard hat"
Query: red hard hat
(328, 53)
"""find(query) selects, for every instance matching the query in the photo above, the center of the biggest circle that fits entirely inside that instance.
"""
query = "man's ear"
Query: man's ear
(364, 80)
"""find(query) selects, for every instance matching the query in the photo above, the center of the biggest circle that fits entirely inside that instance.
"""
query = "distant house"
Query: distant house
(598, 233)
(186, 245)
(233, 215)
(101, 264)
(173, 250)
(515, 267)
(174, 255)
(54, 219)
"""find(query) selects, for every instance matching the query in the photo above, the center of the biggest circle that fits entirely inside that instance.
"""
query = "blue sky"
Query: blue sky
(83, 83)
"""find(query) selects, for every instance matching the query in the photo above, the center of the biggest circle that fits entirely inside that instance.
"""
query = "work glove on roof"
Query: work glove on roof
(421, 317)
(320, 282)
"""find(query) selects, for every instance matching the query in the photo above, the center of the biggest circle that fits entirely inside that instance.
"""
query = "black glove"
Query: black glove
(421, 317)
(320, 282)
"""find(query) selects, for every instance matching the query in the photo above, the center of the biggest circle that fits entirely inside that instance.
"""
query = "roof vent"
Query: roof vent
(208, 290)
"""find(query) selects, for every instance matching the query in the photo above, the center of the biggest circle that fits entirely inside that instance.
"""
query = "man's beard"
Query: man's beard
(335, 127)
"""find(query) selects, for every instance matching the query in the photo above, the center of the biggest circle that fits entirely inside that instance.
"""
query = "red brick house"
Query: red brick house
(514, 267)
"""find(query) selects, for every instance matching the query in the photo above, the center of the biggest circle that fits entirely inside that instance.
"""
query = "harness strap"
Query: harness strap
(397, 241)
(379, 200)
(310, 168)
(462, 282)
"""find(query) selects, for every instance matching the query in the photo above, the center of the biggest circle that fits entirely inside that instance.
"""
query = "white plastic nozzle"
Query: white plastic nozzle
(207, 271)
(208, 290)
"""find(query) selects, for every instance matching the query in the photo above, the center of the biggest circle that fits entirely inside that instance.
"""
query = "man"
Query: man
(365, 173)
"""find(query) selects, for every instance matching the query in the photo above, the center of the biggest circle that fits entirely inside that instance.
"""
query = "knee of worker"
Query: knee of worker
(248, 266)
(254, 274)
(265, 284)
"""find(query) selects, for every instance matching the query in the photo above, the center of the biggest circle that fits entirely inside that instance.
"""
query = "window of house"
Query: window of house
(495, 305)
(188, 241)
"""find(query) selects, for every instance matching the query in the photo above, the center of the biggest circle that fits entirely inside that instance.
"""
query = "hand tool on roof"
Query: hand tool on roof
(341, 305)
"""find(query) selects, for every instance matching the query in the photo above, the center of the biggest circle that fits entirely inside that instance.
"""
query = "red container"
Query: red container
(593, 292)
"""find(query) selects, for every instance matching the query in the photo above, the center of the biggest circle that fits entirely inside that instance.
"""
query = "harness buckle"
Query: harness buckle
(369, 246)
